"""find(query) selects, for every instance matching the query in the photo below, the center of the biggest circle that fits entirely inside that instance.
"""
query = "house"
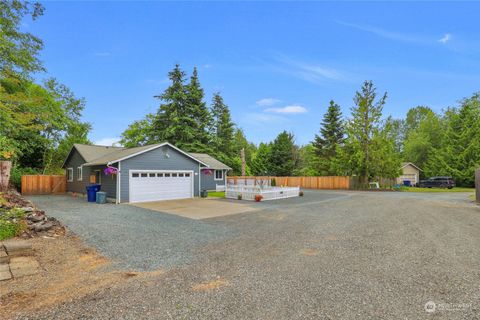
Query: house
(410, 172)
(147, 173)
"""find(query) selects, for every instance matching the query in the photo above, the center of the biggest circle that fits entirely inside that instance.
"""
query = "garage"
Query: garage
(153, 185)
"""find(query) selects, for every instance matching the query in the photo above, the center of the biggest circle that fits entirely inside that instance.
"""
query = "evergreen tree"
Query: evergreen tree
(365, 123)
(282, 158)
(459, 154)
(260, 162)
(172, 122)
(330, 138)
(222, 127)
(198, 116)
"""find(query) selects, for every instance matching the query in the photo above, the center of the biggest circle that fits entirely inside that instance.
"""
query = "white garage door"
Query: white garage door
(160, 185)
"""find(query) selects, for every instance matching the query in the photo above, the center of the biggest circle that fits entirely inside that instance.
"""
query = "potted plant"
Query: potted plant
(300, 193)
(258, 197)
(239, 197)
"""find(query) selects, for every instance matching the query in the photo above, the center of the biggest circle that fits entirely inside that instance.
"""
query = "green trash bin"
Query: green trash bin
(204, 193)
(101, 197)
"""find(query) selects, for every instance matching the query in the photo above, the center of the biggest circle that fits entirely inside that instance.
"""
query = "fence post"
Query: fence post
(477, 184)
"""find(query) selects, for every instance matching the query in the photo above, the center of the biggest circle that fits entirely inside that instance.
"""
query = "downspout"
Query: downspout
(199, 180)
(117, 195)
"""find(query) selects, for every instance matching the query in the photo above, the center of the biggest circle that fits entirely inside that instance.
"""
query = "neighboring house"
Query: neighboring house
(410, 172)
(148, 173)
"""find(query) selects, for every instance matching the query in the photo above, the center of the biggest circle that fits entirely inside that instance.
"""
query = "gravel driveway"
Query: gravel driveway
(328, 255)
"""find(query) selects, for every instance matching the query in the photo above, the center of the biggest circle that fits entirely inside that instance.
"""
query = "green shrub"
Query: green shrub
(273, 183)
(17, 173)
(11, 223)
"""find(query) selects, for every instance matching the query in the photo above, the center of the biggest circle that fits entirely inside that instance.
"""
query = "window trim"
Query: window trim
(80, 176)
(99, 176)
(70, 176)
(215, 175)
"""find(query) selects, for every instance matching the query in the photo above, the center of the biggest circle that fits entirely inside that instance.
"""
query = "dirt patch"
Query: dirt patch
(309, 252)
(69, 270)
(331, 237)
(211, 285)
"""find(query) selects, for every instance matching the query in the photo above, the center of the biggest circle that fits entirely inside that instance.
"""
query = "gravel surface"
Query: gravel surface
(328, 255)
(133, 237)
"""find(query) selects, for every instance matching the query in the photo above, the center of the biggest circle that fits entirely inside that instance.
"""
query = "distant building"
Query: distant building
(410, 172)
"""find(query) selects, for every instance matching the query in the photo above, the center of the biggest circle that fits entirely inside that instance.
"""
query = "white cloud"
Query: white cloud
(267, 102)
(292, 109)
(447, 37)
(386, 33)
(207, 66)
(262, 118)
(113, 141)
(310, 72)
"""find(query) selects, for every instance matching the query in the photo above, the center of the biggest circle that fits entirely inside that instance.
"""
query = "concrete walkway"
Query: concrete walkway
(199, 208)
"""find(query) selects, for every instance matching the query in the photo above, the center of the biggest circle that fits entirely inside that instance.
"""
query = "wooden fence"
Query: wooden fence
(334, 182)
(42, 184)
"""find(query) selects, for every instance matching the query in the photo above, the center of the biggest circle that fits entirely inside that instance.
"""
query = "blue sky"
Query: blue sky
(277, 65)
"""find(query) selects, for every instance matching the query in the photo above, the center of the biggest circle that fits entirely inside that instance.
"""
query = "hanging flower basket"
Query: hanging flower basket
(207, 171)
(110, 171)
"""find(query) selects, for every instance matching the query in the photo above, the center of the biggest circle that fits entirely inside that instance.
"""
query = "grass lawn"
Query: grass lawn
(414, 189)
(216, 194)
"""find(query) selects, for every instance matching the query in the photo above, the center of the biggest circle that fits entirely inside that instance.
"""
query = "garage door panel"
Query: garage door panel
(158, 185)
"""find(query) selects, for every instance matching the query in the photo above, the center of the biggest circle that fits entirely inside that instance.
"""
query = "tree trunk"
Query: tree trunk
(477, 184)
(242, 156)
(5, 168)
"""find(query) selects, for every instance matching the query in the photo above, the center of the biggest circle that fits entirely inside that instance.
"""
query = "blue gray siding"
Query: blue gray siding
(109, 183)
(157, 160)
(209, 182)
(74, 161)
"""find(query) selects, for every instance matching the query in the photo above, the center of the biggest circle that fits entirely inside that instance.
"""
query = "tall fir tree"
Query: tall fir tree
(282, 156)
(199, 117)
(365, 122)
(260, 162)
(330, 139)
(171, 121)
(222, 127)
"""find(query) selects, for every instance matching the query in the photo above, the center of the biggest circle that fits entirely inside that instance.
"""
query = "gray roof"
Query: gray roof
(211, 162)
(101, 155)
(404, 164)
(118, 154)
(92, 152)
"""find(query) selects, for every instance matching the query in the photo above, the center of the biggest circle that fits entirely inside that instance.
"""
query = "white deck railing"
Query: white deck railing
(268, 193)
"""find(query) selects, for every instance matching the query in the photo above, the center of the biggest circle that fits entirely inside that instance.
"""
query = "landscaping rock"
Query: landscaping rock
(27, 209)
(23, 266)
(3, 256)
(42, 226)
(36, 218)
(17, 248)
(5, 272)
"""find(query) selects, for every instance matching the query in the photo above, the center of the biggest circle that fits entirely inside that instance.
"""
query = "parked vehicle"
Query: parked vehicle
(438, 182)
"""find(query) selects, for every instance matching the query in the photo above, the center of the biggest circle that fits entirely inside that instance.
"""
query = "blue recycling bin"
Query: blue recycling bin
(407, 183)
(92, 192)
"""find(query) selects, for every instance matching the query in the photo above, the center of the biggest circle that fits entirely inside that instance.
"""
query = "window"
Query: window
(218, 174)
(151, 175)
(187, 174)
(144, 175)
(174, 175)
(79, 174)
(69, 174)
(98, 177)
(167, 175)
(180, 174)
(134, 175)
(160, 175)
